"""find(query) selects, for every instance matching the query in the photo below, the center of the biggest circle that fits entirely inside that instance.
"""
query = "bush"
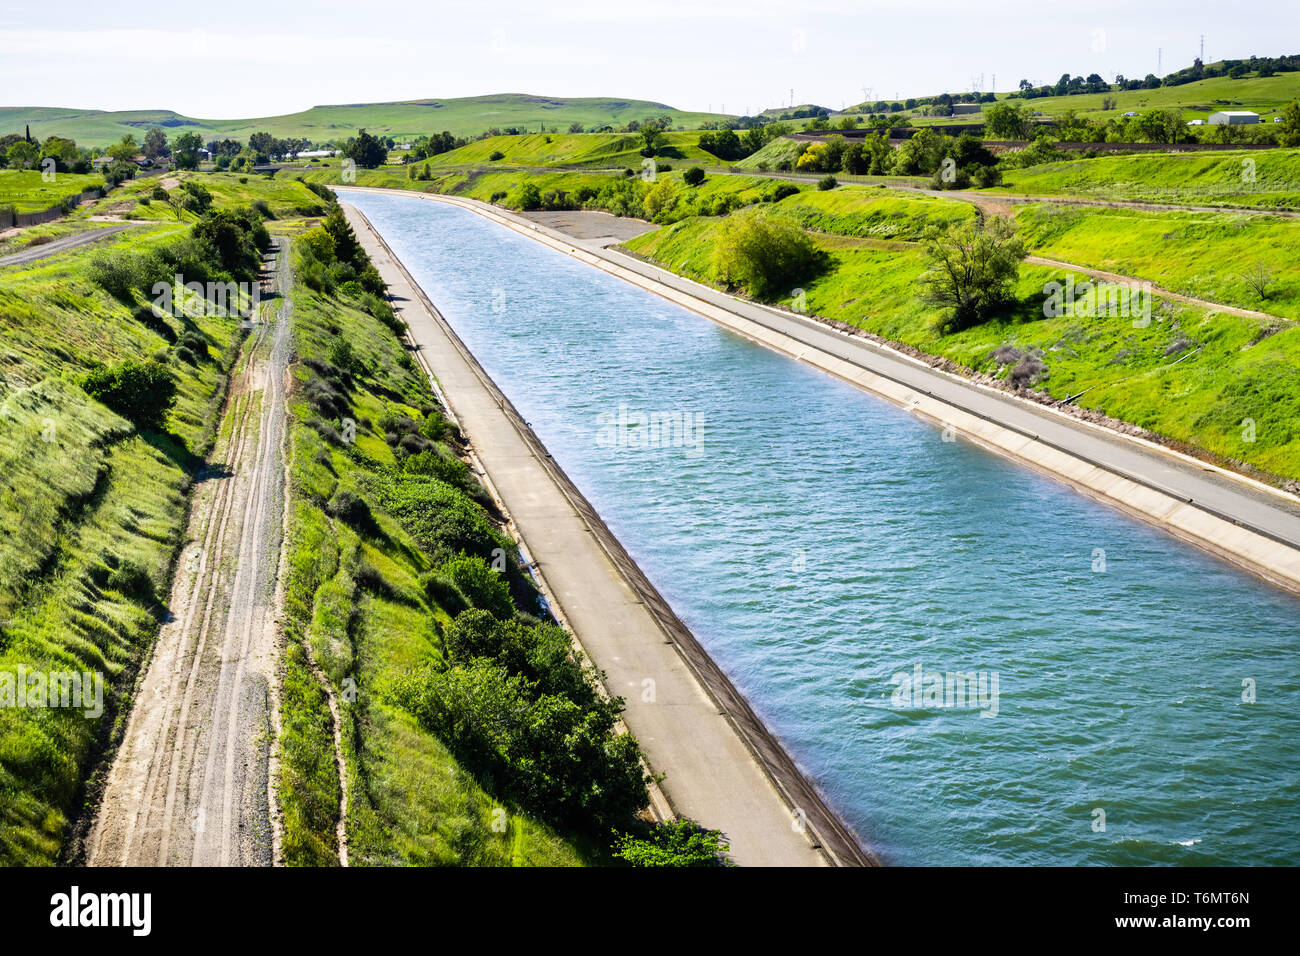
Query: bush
(133, 581)
(352, 510)
(495, 155)
(780, 191)
(480, 586)
(693, 176)
(142, 392)
(120, 273)
(827, 182)
(764, 255)
(677, 843)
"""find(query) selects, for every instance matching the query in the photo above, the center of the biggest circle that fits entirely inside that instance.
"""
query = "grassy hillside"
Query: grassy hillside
(357, 600)
(464, 116)
(1233, 368)
(574, 149)
(1209, 178)
(91, 512)
(26, 191)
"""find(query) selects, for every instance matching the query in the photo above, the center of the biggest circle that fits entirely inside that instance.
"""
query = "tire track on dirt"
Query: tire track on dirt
(191, 784)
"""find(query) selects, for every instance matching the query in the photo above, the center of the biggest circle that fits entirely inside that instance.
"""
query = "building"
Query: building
(1233, 118)
(961, 109)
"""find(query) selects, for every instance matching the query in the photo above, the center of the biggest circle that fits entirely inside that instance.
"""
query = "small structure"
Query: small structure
(962, 109)
(1233, 118)
(1130, 113)
(1196, 122)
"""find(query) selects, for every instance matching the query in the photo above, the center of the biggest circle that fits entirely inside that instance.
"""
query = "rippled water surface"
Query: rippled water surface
(820, 541)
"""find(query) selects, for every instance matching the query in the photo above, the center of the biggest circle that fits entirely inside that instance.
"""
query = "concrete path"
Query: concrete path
(699, 739)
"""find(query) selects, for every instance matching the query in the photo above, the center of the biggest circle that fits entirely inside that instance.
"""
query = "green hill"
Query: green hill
(466, 116)
(1265, 95)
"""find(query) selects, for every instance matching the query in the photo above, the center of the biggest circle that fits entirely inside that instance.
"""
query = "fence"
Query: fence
(11, 219)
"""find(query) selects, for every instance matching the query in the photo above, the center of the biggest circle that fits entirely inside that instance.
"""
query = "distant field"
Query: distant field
(1266, 178)
(466, 116)
(26, 191)
(574, 149)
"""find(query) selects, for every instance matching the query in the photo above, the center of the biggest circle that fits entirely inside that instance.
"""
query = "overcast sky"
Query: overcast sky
(247, 58)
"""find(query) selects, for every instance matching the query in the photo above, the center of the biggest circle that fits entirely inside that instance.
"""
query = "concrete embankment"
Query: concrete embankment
(721, 766)
(1245, 522)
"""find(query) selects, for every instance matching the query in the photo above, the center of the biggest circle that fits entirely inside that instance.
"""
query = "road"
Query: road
(36, 253)
(721, 767)
(189, 784)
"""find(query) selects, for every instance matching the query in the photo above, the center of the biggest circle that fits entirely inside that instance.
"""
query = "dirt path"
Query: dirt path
(1155, 289)
(36, 253)
(189, 785)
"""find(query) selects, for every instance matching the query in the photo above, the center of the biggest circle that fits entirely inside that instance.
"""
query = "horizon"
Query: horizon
(831, 54)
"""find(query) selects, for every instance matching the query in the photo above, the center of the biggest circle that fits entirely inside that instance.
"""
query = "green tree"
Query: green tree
(155, 144)
(1007, 121)
(186, 150)
(366, 151)
(22, 155)
(693, 176)
(1289, 135)
(62, 151)
(972, 270)
(763, 254)
(124, 150)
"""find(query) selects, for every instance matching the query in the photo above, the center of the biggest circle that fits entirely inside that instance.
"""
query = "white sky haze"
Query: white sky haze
(239, 59)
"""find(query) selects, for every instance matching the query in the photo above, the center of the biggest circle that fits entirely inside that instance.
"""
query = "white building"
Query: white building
(1233, 118)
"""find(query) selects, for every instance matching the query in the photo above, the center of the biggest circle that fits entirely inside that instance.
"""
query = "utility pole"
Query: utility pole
(792, 97)
(1202, 58)
(1160, 52)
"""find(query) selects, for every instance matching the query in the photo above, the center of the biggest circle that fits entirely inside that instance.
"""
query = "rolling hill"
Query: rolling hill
(465, 116)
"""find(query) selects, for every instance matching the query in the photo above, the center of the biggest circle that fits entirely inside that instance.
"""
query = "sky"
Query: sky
(237, 58)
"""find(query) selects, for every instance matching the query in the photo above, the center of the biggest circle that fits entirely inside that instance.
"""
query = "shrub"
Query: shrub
(764, 254)
(693, 176)
(142, 392)
(676, 843)
(352, 510)
(495, 155)
(827, 182)
(133, 581)
(482, 587)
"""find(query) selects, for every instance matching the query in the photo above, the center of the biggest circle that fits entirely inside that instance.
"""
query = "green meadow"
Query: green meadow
(26, 190)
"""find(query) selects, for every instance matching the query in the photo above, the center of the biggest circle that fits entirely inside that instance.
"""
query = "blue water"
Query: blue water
(818, 541)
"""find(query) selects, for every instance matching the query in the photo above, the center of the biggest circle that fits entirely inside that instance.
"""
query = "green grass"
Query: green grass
(464, 116)
(1204, 179)
(574, 149)
(410, 803)
(26, 191)
(873, 213)
(1242, 371)
(81, 493)
(1200, 254)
